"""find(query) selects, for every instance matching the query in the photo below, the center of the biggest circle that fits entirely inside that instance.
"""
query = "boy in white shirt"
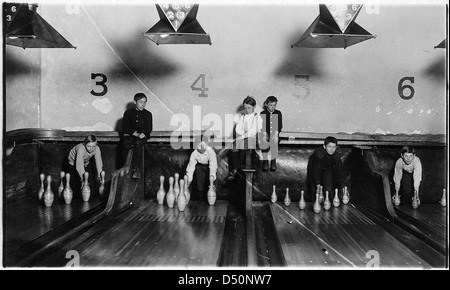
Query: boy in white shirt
(248, 126)
(407, 172)
(202, 165)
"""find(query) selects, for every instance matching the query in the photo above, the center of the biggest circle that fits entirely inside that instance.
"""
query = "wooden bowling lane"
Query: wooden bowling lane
(27, 218)
(153, 235)
(430, 220)
(349, 238)
(432, 215)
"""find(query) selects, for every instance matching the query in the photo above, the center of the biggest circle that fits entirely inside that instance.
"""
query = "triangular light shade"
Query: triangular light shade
(325, 32)
(184, 30)
(443, 44)
(24, 27)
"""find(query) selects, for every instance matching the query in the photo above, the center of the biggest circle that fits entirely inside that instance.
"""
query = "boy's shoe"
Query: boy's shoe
(232, 175)
(273, 165)
(265, 165)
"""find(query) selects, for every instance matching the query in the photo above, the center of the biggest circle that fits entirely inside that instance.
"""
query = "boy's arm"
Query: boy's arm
(149, 126)
(317, 165)
(240, 126)
(417, 175)
(212, 163)
(98, 160)
(256, 126)
(280, 122)
(398, 173)
(79, 160)
(127, 129)
(191, 166)
(340, 170)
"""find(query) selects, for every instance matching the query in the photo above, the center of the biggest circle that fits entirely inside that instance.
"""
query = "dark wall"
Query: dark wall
(293, 171)
(20, 171)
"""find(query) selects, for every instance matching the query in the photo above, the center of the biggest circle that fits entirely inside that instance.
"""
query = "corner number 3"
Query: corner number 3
(202, 89)
(100, 83)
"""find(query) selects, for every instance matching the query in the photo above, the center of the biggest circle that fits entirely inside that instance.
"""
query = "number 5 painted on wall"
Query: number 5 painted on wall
(203, 89)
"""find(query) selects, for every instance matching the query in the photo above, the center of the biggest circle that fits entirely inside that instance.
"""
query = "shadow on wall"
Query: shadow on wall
(299, 60)
(142, 58)
(436, 70)
(16, 66)
(118, 127)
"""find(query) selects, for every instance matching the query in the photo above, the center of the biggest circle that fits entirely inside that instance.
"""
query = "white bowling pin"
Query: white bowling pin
(274, 197)
(48, 195)
(42, 188)
(336, 201)
(211, 192)
(170, 196)
(61, 185)
(161, 194)
(287, 199)
(302, 203)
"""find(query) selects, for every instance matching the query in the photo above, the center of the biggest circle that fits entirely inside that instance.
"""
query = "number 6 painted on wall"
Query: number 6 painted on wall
(99, 83)
(402, 87)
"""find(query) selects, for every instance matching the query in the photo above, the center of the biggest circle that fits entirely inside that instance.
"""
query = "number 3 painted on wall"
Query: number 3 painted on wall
(402, 87)
(99, 83)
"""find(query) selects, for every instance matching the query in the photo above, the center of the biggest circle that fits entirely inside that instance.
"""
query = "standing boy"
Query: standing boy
(271, 128)
(137, 126)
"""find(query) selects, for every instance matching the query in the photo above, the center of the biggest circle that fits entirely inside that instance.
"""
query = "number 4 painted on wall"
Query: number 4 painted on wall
(203, 89)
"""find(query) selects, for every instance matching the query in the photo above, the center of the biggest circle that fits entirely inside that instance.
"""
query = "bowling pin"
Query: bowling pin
(274, 197)
(170, 196)
(317, 207)
(211, 192)
(302, 203)
(326, 203)
(61, 185)
(345, 197)
(67, 193)
(161, 194)
(287, 199)
(176, 186)
(187, 192)
(101, 188)
(321, 197)
(396, 199)
(443, 200)
(336, 201)
(86, 190)
(415, 200)
(48, 195)
(41, 189)
(181, 202)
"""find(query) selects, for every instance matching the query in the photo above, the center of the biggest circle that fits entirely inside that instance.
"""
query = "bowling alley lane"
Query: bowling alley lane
(152, 235)
(340, 237)
(431, 218)
(432, 215)
(28, 219)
